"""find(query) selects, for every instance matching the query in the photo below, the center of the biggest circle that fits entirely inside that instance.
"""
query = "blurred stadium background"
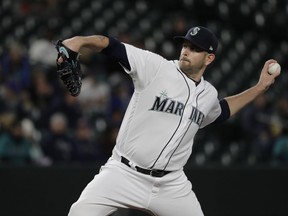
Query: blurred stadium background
(45, 133)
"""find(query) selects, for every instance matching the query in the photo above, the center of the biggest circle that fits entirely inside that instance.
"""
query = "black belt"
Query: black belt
(151, 172)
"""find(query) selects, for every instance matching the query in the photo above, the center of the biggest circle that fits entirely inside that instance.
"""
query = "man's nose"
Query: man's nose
(185, 51)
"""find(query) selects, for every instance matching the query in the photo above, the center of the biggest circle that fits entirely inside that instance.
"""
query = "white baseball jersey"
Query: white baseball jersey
(165, 112)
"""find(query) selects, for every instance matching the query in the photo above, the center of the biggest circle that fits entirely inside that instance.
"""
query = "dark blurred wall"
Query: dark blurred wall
(221, 191)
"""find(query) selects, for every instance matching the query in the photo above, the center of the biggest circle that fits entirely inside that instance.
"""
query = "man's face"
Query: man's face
(192, 59)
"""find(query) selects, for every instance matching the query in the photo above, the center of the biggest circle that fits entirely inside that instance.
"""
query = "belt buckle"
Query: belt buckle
(132, 166)
(156, 173)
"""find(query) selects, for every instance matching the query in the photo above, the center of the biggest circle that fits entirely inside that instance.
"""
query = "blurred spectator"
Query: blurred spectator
(15, 67)
(25, 108)
(256, 122)
(94, 97)
(180, 25)
(9, 100)
(44, 96)
(70, 106)
(281, 110)
(14, 147)
(280, 148)
(57, 142)
(33, 136)
(88, 146)
(43, 44)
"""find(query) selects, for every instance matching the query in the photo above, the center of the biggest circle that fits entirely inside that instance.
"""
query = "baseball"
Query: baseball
(274, 68)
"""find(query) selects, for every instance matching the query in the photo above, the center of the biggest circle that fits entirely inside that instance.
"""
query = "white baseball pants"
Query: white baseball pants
(119, 186)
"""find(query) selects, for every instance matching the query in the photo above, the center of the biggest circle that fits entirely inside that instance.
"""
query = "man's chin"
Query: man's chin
(183, 65)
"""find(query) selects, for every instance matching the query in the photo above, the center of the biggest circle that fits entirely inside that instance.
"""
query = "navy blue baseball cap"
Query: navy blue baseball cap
(201, 37)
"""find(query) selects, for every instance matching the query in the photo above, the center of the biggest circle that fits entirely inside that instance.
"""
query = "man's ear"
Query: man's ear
(210, 58)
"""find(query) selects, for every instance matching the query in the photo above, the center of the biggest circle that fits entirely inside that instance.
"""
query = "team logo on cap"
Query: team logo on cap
(194, 31)
(211, 48)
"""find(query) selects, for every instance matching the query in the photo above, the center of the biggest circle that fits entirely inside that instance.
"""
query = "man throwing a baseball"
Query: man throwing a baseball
(171, 102)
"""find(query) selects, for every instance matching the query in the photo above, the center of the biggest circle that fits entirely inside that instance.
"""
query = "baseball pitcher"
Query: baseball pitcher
(171, 102)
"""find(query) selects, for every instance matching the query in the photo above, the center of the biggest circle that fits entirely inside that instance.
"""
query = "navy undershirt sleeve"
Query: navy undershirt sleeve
(117, 52)
(225, 112)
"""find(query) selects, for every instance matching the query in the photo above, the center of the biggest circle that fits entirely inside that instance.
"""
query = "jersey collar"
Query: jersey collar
(176, 62)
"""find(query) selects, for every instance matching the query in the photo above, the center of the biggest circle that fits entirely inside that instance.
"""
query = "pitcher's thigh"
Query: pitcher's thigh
(82, 208)
(116, 186)
(184, 206)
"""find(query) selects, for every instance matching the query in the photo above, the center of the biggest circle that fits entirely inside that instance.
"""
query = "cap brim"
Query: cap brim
(181, 39)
